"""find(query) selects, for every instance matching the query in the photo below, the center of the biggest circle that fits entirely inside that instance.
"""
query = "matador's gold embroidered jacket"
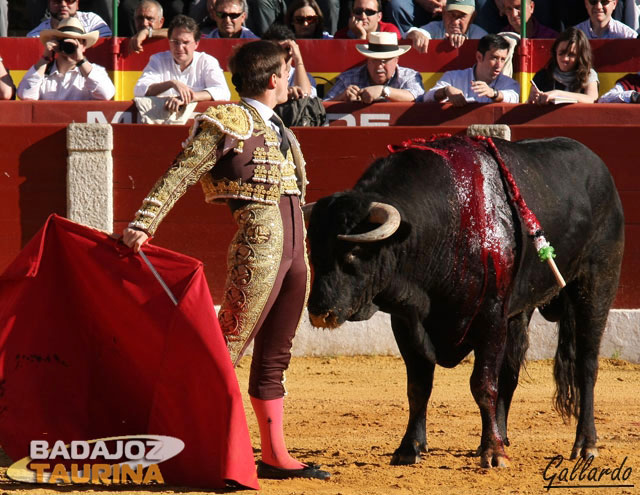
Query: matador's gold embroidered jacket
(234, 155)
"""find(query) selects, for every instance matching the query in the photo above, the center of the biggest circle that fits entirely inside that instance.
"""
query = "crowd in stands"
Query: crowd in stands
(182, 74)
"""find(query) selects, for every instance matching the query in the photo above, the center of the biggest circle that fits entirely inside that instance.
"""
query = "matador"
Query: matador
(243, 155)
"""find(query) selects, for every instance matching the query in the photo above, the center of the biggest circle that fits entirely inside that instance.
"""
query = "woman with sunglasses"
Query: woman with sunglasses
(305, 18)
(569, 74)
(600, 25)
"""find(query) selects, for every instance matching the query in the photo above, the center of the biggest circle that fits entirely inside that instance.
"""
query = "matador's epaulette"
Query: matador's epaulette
(198, 157)
(229, 119)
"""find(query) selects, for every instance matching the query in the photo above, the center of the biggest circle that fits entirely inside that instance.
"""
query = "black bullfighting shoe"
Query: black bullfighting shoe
(312, 471)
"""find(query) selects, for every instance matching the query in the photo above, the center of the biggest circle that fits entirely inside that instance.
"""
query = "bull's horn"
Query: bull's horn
(306, 211)
(388, 218)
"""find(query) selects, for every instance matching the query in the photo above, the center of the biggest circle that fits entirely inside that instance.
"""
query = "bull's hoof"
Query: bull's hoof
(403, 456)
(490, 459)
(584, 452)
(404, 459)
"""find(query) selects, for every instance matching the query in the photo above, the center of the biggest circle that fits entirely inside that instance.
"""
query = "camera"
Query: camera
(67, 47)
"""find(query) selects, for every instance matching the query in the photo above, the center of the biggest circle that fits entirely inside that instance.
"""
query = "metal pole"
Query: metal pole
(524, 77)
(115, 52)
(114, 21)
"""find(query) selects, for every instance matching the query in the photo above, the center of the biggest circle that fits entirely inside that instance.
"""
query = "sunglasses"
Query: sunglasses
(68, 2)
(233, 15)
(308, 19)
(603, 2)
(368, 12)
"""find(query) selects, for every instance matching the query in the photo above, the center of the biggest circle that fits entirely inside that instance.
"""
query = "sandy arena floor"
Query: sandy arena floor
(349, 414)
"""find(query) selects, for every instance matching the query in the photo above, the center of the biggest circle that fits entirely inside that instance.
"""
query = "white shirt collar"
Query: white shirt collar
(265, 112)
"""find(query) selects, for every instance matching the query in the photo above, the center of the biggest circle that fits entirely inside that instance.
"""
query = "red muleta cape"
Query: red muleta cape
(92, 347)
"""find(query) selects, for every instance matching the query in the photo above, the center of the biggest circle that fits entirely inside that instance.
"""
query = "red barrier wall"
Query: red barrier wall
(33, 183)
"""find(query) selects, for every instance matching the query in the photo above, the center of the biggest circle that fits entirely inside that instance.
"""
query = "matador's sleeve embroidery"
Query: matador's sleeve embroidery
(198, 157)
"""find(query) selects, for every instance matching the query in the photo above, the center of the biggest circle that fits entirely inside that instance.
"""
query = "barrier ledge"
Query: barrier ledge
(346, 114)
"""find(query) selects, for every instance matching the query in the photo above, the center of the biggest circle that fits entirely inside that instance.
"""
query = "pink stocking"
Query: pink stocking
(274, 450)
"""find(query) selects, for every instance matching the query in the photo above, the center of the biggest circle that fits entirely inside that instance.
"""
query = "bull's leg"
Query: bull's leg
(484, 387)
(582, 327)
(419, 385)
(517, 344)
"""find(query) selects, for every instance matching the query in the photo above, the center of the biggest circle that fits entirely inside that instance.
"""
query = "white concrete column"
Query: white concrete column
(90, 175)
(490, 130)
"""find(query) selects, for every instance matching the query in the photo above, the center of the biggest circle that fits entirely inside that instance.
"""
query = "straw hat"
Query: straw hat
(70, 28)
(382, 45)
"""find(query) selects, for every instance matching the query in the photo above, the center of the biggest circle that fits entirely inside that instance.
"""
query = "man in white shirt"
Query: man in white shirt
(63, 72)
(600, 25)
(482, 83)
(64, 9)
(456, 26)
(182, 74)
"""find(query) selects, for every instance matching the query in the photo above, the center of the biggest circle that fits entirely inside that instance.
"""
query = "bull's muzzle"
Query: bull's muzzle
(324, 320)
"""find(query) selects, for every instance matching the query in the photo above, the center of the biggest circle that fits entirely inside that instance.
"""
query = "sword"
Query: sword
(158, 278)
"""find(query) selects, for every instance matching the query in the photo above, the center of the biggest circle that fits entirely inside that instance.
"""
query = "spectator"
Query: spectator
(600, 25)
(366, 17)
(7, 88)
(229, 16)
(569, 73)
(263, 13)
(489, 15)
(626, 90)
(409, 13)
(535, 30)
(182, 74)
(381, 78)
(63, 72)
(148, 20)
(301, 83)
(456, 26)
(65, 9)
(306, 20)
(482, 83)
(331, 11)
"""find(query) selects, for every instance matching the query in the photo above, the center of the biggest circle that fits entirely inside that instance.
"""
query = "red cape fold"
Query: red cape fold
(92, 347)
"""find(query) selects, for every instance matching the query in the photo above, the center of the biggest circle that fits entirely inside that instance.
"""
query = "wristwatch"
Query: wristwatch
(386, 91)
(149, 32)
(79, 63)
(495, 94)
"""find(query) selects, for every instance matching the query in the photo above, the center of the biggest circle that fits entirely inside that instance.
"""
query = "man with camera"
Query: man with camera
(63, 72)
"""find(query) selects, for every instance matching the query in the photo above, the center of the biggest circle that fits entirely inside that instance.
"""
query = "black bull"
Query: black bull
(460, 272)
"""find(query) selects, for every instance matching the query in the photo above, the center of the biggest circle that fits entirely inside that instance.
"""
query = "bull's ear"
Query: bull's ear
(306, 210)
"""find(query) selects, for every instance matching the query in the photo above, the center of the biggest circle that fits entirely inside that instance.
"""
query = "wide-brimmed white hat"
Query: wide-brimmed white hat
(70, 28)
(382, 45)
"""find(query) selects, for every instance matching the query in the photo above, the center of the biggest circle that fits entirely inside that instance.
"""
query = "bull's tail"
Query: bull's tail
(567, 396)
